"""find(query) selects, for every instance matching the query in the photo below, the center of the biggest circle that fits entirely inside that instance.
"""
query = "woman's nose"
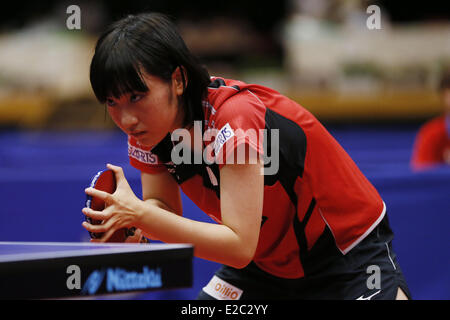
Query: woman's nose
(129, 120)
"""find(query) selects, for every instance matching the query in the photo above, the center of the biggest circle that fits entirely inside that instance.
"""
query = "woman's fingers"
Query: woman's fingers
(118, 172)
(96, 215)
(102, 195)
(95, 228)
(105, 237)
(106, 226)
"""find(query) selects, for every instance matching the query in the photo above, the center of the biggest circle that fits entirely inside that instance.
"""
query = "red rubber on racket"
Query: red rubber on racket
(104, 181)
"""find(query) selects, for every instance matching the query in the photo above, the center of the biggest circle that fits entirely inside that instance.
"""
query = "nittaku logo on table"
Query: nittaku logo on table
(118, 279)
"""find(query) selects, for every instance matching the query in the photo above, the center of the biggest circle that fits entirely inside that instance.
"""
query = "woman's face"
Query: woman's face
(149, 116)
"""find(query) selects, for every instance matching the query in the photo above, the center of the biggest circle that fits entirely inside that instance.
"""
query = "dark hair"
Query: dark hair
(147, 42)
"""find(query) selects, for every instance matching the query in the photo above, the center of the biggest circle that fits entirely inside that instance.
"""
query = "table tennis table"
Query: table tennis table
(46, 270)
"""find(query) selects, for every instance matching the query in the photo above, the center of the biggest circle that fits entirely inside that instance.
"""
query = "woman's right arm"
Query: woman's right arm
(162, 190)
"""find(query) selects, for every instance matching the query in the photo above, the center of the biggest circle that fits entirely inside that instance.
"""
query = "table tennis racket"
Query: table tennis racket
(105, 181)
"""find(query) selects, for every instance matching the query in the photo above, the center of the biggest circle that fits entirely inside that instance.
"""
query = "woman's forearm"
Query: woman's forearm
(162, 205)
(211, 241)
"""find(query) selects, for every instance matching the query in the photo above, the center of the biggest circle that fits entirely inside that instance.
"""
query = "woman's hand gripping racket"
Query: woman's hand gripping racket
(106, 181)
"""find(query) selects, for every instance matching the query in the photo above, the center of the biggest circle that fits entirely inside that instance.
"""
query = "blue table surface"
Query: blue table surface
(9, 248)
(17, 248)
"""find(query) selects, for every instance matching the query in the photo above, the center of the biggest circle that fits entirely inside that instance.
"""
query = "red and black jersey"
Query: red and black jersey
(432, 144)
(317, 203)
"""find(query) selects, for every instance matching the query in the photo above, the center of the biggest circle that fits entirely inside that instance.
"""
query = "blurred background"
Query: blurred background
(371, 77)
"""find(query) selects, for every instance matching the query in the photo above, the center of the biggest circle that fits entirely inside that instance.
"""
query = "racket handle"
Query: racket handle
(134, 235)
(130, 232)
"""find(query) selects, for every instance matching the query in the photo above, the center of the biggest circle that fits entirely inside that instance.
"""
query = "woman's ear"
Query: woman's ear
(179, 80)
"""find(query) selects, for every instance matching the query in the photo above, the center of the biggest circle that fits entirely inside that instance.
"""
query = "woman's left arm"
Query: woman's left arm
(241, 204)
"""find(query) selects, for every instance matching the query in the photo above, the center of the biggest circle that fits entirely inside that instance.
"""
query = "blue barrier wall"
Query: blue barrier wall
(43, 175)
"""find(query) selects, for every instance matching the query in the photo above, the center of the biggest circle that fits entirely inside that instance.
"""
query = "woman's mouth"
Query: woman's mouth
(137, 134)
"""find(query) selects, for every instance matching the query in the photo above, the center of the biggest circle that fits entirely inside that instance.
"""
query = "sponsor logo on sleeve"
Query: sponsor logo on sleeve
(222, 137)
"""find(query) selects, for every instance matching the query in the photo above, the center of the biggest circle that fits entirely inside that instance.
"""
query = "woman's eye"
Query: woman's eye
(135, 97)
(110, 102)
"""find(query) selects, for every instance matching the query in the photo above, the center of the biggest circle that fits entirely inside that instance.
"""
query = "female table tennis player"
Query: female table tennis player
(313, 228)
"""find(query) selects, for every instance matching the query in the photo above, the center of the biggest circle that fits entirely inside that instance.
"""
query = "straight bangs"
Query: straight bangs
(147, 43)
(116, 73)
